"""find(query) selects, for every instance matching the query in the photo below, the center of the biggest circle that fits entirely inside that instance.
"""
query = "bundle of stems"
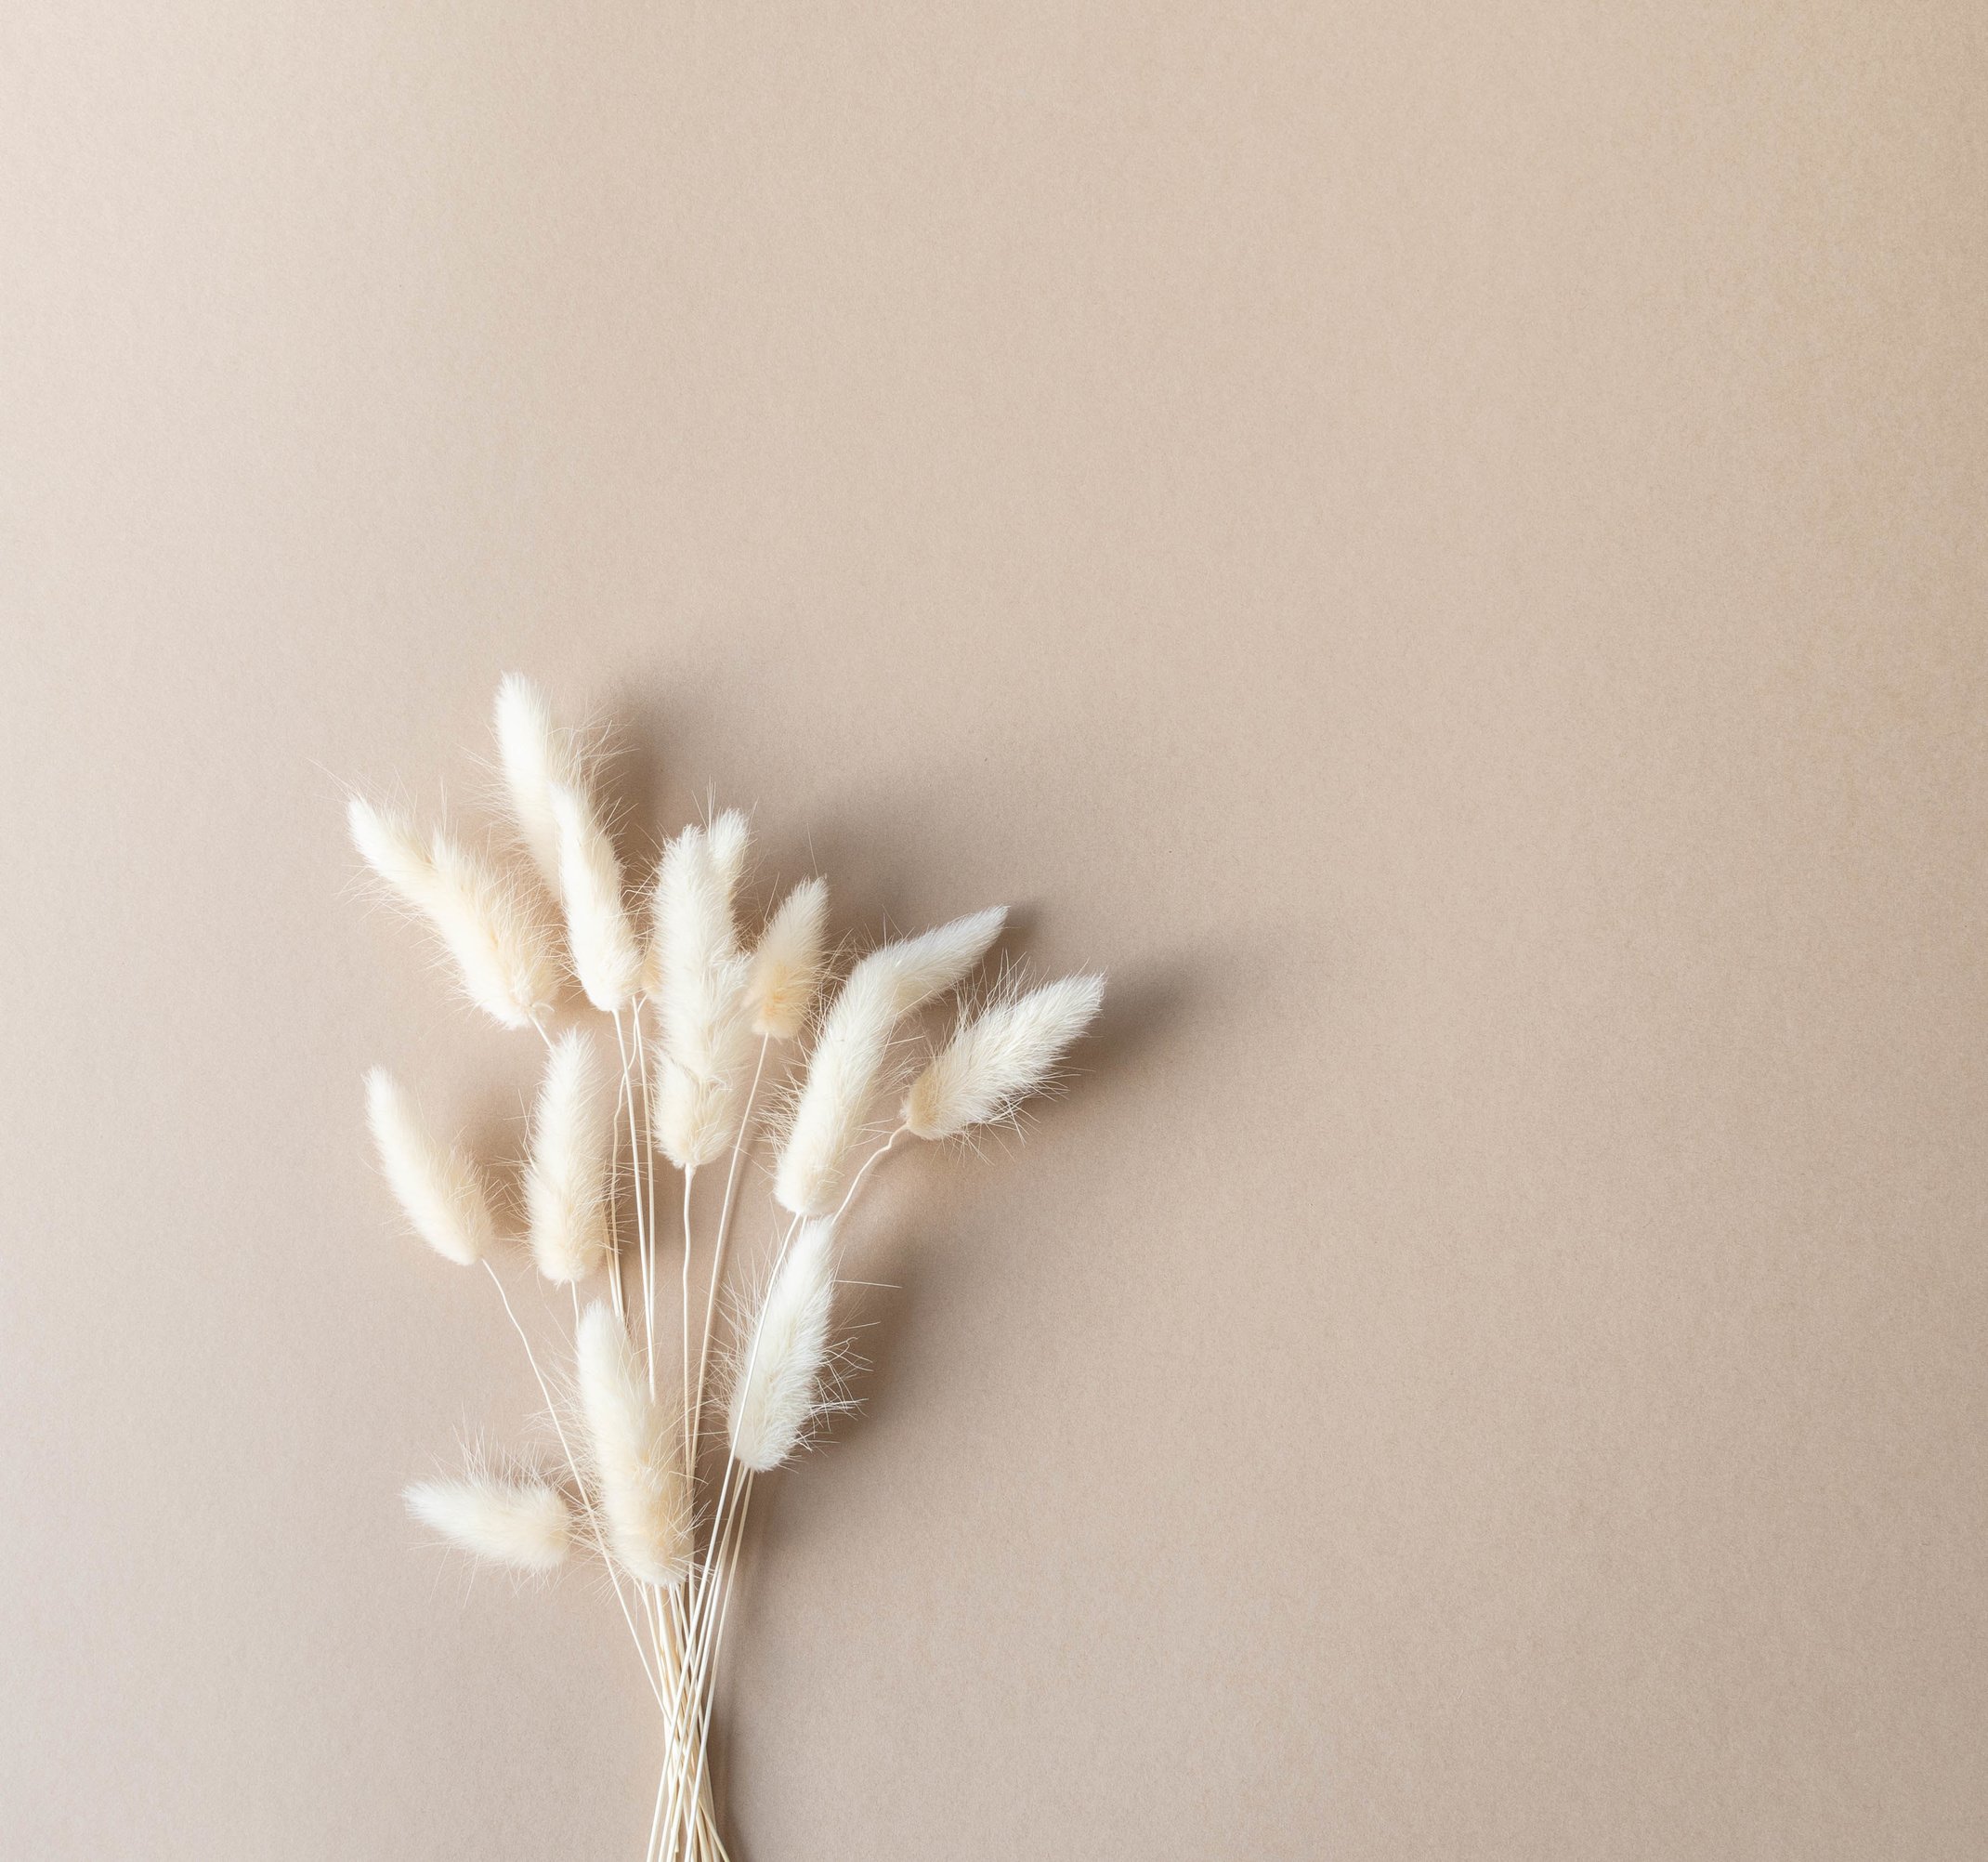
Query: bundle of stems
(666, 1412)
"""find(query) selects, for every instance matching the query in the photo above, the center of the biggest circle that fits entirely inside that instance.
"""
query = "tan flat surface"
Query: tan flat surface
(1442, 546)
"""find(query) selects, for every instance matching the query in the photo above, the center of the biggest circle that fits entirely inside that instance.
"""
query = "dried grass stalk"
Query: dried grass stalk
(701, 977)
(787, 962)
(777, 1391)
(606, 957)
(847, 1068)
(636, 1455)
(567, 1175)
(488, 925)
(536, 757)
(439, 1190)
(522, 1523)
(999, 1056)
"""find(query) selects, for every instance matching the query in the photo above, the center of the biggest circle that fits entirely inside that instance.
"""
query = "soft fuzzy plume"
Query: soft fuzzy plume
(696, 1119)
(787, 961)
(439, 1190)
(606, 957)
(701, 977)
(525, 1523)
(778, 1389)
(998, 1057)
(847, 1064)
(694, 937)
(636, 1454)
(536, 757)
(729, 837)
(498, 940)
(566, 1183)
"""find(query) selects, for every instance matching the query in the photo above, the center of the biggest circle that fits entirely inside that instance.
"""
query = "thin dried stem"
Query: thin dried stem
(704, 1688)
(572, 1466)
(717, 1256)
(634, 1170)
(869, 1164)
(690, 1178)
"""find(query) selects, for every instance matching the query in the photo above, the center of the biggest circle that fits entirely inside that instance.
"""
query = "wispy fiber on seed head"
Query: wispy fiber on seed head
(536, 757)
(700, 977)
(693, 934)
(638, 1455)
(731, 839)
(777, 1390)
(847, 1067)
(524, 1523)
(567, 1184)
(787, 963)
(498, 940)
(917, 969)
(606, 957)
(998, 1057)
(439, 1190)
(388, 843)
(697, 1117)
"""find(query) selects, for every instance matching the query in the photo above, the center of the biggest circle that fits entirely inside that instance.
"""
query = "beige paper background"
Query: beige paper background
(1440, 545)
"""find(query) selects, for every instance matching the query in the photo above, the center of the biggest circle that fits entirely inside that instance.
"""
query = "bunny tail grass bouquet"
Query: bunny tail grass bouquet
(665, 1031)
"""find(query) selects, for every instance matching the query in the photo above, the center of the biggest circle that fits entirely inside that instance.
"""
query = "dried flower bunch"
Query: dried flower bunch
(708, 1031)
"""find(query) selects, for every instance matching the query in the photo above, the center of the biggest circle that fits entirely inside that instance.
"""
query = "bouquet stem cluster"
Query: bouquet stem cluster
(665, 1412)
